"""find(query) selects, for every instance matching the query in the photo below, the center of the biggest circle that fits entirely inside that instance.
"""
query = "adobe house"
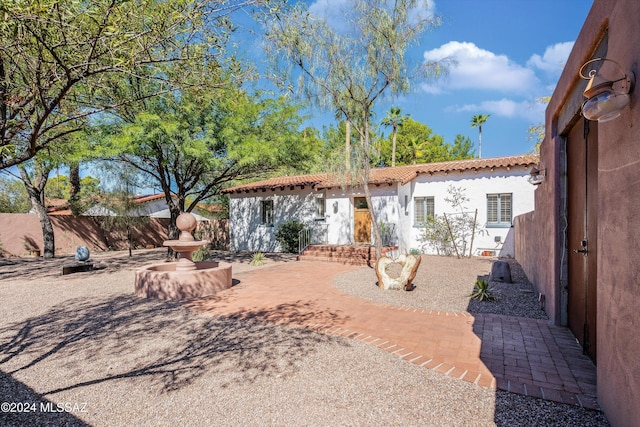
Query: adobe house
(580, 244)
(403, 197)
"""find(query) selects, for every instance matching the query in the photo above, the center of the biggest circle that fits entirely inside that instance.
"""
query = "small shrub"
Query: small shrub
(482, 291)
(201, 254)
(257, 259)
(288, 235)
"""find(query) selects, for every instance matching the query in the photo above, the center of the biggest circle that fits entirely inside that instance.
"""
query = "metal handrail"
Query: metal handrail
(304, 239)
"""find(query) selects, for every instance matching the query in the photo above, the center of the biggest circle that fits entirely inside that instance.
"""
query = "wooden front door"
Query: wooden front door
(582, 190)
(361, 221)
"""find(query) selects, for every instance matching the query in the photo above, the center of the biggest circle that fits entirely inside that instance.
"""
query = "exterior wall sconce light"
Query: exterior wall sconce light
(605, 98)
(536, 176)
(335, 207)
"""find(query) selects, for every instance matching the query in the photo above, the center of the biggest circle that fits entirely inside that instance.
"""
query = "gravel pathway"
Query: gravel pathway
(445, 283)
(85, 343)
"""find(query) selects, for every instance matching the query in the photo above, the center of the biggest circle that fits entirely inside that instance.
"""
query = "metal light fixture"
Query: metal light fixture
(536, 176)
(605, 98)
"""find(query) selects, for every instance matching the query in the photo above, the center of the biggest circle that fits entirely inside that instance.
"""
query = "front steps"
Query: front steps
(359, 254)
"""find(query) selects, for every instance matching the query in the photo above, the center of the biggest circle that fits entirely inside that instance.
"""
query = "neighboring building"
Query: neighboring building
(579, 246)
(403, 197)
(153, 206)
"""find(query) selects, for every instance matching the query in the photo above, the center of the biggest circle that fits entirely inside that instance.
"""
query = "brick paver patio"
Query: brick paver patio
(519, 355)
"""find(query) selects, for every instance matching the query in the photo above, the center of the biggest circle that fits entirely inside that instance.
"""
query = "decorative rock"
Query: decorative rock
(500, 272)
(409, 263)
(82, 253)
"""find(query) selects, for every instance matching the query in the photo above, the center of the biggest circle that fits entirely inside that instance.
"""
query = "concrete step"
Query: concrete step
(340, 260)
(344, 254)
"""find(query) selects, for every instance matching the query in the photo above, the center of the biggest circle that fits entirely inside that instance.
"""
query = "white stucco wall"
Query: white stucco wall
(247, 233)
(393, 204)
(476, 186)
(340, 210)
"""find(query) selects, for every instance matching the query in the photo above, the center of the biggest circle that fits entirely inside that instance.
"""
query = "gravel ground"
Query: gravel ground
(84, 342)
(445, 283)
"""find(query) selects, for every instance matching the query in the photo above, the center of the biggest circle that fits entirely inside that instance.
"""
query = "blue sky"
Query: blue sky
(509, 53)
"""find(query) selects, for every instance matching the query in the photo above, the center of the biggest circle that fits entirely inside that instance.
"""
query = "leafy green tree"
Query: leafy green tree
(89, 187)
(462, 148)
(57, 187)
(395, 119)
(191, 144)
(126, 216)
(60, 60)
(13, 196)
(34, 175)
(476, 122)
(349, 69)
(418, 144)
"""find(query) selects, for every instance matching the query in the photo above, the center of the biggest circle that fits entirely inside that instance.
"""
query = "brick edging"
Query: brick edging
(485, 381)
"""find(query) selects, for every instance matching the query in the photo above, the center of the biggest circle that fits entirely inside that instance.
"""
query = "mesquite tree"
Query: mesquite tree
(350, 66)
(60, 60)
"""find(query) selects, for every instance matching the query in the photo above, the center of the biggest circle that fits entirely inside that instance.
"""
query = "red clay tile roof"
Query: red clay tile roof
(401, 174)
(147, 198)
(57, 206)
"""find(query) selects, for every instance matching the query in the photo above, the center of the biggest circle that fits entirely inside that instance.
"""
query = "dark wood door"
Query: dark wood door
(361, 221)
(582, 189)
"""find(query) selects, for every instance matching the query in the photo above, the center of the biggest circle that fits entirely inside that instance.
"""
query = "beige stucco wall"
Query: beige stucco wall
(618, 277)
(71, 232)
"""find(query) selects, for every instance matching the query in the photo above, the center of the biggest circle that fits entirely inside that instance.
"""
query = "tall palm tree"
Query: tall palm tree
(416, 148)
(394, 118)
(476, 122)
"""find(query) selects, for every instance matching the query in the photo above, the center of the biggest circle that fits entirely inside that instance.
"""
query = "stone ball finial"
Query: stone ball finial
(186, 223)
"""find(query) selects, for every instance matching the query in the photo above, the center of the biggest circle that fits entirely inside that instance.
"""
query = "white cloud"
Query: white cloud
(531, 111)
(480, 69)
(331, 10)
(335, 11)
(424, 10)
(553, 59)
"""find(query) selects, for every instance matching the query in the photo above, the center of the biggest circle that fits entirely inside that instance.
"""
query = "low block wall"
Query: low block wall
(16, 230)
(20, 230)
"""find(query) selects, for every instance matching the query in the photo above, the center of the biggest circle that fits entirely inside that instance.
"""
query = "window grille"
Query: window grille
(267, 212)
(424, 207)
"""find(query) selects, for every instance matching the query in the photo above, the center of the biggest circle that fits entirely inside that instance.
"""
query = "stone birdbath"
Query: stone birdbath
(184, 278)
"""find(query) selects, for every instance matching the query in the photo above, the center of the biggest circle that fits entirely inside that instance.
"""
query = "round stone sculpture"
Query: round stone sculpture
(186, 223)
(82, 253)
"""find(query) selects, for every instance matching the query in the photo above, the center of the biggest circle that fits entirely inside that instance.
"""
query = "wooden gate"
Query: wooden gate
(582, 190)
(361, 221)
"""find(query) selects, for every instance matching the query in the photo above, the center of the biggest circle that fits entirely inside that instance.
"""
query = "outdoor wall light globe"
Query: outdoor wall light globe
(605, 98)
(536, 176)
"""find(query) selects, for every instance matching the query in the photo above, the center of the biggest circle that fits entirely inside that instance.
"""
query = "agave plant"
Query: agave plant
(257, 259)
(482, 291)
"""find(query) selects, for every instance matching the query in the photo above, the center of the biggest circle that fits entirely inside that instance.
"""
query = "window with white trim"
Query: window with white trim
(499, 210)
(423, 208)
(266, 208)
